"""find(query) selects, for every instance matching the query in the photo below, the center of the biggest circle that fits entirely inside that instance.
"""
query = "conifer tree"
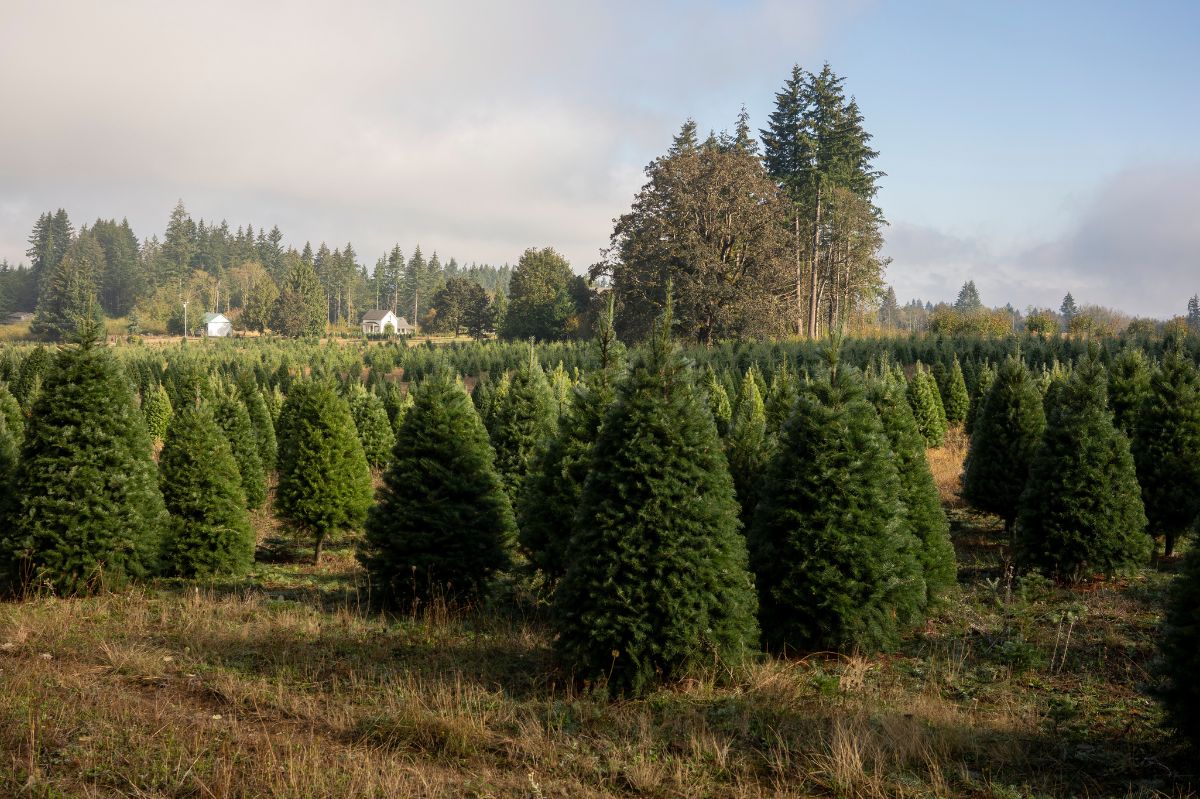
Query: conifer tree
(209, 532)
(156, 408)
(301, 308)
(28, 385)
(926, 403)
(833, 556)
(1180, 644)
(657, 586)
(524, 416)
(1166, 448)
(374, 429)
(261, 421)
(956, 400)
(983, 385)
(9, 456)
(552, 493)
(14, 417)
(324, 479)
(1081, 511)
(231, 416)
(746, 447)
(1007, 433)
(68, 299)
(1128, 385)
(86, 506)
(922, 504)
(718, 401)
(781, 398)
(443, 524)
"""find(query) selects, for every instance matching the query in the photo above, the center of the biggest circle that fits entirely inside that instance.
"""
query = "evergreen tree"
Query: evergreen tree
(9, 457)
(833, 557)
(539, 302)
(968, 298)
(926, 403)
(747, 448)
(955, 398)
(209, 532)
(233, 419)
(718, 401)
(657, 586)
(1181, 653)
(983, 385)
(1068, 309)
(261, 421)
(28, 386)
(68, 298)
(1166, 448)
(781, 398)
(918, 492)
(374, 428)
(1007, 433)
(14, 417)
(443, 524)
(1081, 511)
(301, 307)
(1128, 385)
(86, 506)
(523, 417)
(156, 408)
(324, 479)
(1193, 313)
(48, 243)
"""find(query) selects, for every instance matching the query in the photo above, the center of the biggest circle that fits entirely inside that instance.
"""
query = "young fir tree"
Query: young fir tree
(1180, 644)
(443, 524)
(718, 401)
(1128, 385)
(1081, 511)
(524, 416)
(781, 398)
(156, 408)
(923, 506)
(9, 456)
(1007, 433)
(324, 479)
(926, 402)
(553, 490)
(86, 507)
(231, 416)
(657, 587)
(833, 556)
(983, 385)
(28, 385)
(1166, 448)
(261, 421)
(956, 400)
(746, 447)
(374, 429)
(209, 532)
(14, 417)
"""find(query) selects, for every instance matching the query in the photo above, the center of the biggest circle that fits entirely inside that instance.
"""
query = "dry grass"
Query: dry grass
(946, 463)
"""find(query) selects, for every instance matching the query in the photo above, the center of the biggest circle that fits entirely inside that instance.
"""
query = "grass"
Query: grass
(284, 684)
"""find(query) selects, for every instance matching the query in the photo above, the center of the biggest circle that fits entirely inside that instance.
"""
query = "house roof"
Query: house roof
(375, 316)
(213, 317)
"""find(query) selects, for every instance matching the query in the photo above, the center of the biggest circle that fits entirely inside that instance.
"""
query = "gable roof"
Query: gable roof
(213, 317)
(375, 316)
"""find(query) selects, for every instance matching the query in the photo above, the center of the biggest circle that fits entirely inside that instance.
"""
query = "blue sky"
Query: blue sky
(1033, 147)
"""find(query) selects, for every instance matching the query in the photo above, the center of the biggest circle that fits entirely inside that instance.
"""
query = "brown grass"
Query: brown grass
(946, 463)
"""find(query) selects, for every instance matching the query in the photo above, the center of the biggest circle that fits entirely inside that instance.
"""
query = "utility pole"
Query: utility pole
(185, 327)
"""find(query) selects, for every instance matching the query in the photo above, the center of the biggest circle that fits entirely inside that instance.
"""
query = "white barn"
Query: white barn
(217, 325)
(378, 322)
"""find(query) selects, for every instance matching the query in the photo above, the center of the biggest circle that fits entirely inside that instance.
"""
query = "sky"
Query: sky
(1033, 147)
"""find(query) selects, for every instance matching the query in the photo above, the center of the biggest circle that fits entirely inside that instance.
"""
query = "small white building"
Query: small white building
(216, 325)
(382, 322)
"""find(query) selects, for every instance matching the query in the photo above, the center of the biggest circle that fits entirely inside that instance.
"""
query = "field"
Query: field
(286, 684)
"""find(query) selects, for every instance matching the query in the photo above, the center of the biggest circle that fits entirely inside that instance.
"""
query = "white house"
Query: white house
(380, 322)
(217, 325)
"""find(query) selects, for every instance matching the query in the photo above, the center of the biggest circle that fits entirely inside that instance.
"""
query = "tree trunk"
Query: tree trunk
(799, 248)
(317, 549)
(816, 255)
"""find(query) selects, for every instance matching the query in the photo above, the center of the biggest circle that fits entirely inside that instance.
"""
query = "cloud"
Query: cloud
(478, 128)
(1135, 246)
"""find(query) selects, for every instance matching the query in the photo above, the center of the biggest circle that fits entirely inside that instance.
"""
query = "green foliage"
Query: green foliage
(1128, 385)
(86, 505)
(233, 419)
(983, 385)
(1166, 448)
(28, 385)
(918, 492)
(523, 416)
(9, 457)
(926, 401)
(1081, 511)
(324, 479)
(300, 309)
(443, 525)
(261, 421)
(156, 408)
(1181, 653)
(1007, 433)
(539, 302)
(718, 401)
(781, 398)
(14, 417)
(832, 553)
(68, 300)
(374, 428)
(746, 447)
(955, 398)
(209, 532)
(657, 586)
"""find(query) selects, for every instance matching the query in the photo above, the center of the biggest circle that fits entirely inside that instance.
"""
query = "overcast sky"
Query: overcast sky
(1034, 147)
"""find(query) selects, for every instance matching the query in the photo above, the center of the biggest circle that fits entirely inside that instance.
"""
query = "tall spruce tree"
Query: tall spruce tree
(926, 402)
(1007, 433)
(443, 524)
(833, 556)
(324, 479)
(209, 532)
(1081, 511)
(68, 299)
(1166, 448)
(1180, 643)
(301, 308)
(955, 398)
(658, 586)
(86, 506)
(233, 419)
(524, 416)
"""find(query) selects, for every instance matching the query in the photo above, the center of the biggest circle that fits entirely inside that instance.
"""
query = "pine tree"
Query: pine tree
(443, 524)
(68, 299)
(156, 408)
(28, 385)
(261, 421)
(301, 309)
(657, 587)
(833, 557)
(746, 447)
(983, 385)
(718, 401)
(1068, 309)
(374, 428)
(781, 398)
(1128, 385)
(968, 298)
(14, 417)
(523, 417)
(1081, 511)
(233, 419)
(9, 457)
(1180, 644)
(1166, 448)
(922, 503)
(956, 400)
(926, 403)
(209, 532)
(86, 509)
(324, 479)
(1007, 433)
